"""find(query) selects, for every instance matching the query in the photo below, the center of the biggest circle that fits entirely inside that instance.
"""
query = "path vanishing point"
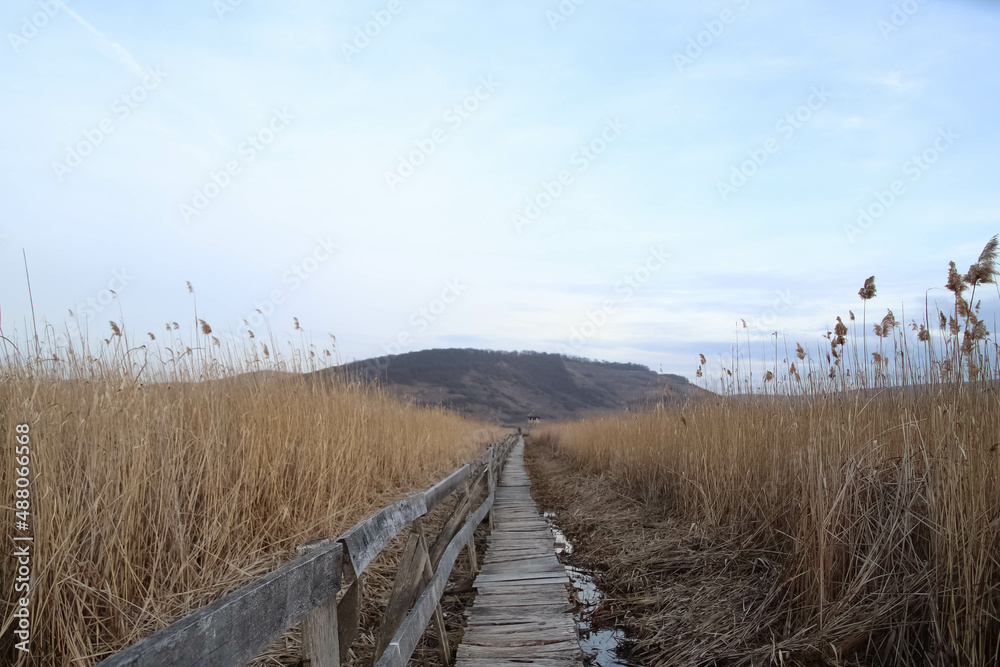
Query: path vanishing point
(522, 613)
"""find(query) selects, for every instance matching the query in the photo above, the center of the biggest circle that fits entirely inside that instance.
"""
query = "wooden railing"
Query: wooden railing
(237, 628)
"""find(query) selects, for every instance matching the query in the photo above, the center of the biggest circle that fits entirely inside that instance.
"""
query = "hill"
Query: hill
(506, 386)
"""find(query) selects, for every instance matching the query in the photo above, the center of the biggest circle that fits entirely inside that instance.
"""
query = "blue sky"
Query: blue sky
(621, 181)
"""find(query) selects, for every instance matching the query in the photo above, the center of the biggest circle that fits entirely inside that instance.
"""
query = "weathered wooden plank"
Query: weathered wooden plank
(437, 494)
(491, 485)
(538, 592)
(525, 556)
(522, 625)
(509, 546)
(478, 481)
(513, 586)
(473, 559)
(234, 630)
(451, 526)
(523, 597)
(367, 539)
(405, 589)
(554, 661)
(320, 641)
(439, 625)
(538, 647)
(528, 578)
(521, 576)
(349, 613)
(486, 613)
(406, 638)
(504, 614)
(541, 636)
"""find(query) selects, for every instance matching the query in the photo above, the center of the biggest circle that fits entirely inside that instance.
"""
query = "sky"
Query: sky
(624, 181)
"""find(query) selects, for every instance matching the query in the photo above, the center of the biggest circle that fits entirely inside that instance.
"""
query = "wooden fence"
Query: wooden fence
(234, 630)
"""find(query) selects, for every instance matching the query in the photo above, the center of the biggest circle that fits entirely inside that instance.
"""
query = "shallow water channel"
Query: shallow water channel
(600, 645)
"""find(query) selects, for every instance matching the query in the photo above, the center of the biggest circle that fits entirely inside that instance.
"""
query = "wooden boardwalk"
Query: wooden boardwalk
(522, 614)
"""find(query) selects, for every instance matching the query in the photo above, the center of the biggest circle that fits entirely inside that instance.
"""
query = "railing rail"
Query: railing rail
(238, 627)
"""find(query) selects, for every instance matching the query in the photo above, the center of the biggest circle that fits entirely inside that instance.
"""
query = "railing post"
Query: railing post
(349, 609)
(405, 589)
(473, 559)
(320, 635)
(491, 481)
(439, 624)
(474, 563)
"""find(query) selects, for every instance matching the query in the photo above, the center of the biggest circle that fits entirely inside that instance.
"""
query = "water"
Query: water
(600, 645)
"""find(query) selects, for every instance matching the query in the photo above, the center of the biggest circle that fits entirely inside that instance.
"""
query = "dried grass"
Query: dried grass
(164, 477)
(875, 492)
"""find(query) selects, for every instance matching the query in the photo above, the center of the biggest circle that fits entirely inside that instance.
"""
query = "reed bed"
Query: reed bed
(867, 482)
(170, 472)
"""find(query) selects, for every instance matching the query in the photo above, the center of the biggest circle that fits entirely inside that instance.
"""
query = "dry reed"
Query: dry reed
(164, 477)
(875, 479)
